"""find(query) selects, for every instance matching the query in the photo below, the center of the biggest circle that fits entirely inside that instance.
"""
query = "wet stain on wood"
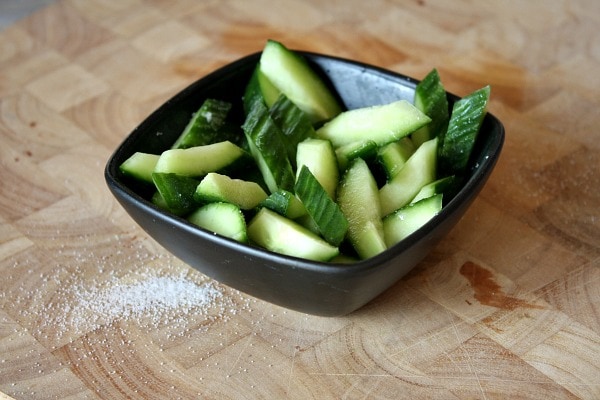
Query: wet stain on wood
(487, 291)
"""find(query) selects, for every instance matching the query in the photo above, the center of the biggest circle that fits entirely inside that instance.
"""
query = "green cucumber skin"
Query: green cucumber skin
(401, 223)
(432, 100)
(326, 213)
(293, 122)
(290, 73)
(221, 188)
(419, 170)
(268, 148)
(199, 160)
(226, 219)
(259, 88)
(177, 191)
(281, 235)
(367, 150)
(359, 201)
(140, 166)
(284, 203)
(381, 123)
(205, 125)
(465, 122)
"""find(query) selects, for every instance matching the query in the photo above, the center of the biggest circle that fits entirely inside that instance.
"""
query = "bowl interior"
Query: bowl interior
(312, 287)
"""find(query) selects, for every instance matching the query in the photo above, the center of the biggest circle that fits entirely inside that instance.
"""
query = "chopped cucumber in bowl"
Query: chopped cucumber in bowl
(342, 192)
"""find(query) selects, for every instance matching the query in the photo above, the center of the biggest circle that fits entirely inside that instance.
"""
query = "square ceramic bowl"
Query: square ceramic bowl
(311, 287)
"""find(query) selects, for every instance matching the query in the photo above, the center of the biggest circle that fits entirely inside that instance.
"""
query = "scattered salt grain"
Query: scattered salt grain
(152, 297)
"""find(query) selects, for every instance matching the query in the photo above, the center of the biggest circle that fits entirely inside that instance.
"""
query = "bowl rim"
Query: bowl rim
(468, 189)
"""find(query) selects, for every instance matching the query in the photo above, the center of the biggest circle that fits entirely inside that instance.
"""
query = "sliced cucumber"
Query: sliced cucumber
(205, 125)
(226, 219)
(293, 122)
(419, 170)
(160, 202)
(328, 217)
(176, 191)
(441, 186)
(282, 235)
(431, 98)
(318, 156)
(464, 125)
(289, 72)
(401, 223)
(309, 223)
(215, 187)
(284, 203)
(140, 166)
(267, 146)
(259, 87)
(366, 150)
(358, 199)
(382, 124)
(200, 160)
(393, 156)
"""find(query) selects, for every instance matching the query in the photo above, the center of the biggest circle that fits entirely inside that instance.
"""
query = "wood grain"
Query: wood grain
(507, 306)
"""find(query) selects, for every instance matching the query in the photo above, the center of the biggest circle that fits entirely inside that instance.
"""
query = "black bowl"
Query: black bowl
(312, 287)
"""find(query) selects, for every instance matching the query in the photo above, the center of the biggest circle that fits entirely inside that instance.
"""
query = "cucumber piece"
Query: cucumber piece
(226, 219)
(393, 156)
(216, 187)
(381, 123)
(294, 124)
(160, 202)
(419, 170)
(176, 191)
(328, 217)
(309, 223)
(464, 125)
(267, 146)
(289, 72)
(401, 223)
(140, 166)
(366, 149)
(205, 125)
(431, 98)
(443, 185)
(284, 203)
(358, 199)
(259, 87)
(200, 160)
(318, 156)
(282, 235)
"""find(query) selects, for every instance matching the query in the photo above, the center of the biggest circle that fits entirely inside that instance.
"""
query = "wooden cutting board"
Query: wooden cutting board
(507, 306)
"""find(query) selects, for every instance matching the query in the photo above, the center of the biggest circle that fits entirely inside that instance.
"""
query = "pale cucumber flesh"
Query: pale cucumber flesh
(289, 72)
(382, 123)
(199, 160)
(319, 157)
(282, 235)
(405, 221)
(140, 166)
(226, 219)
(419, 170)
(216, 187)
(358, 199)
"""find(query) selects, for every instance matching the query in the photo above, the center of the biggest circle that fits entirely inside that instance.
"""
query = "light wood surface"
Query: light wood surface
(507, 306)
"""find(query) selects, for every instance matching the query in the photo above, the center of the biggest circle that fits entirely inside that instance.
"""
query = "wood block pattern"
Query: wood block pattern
(507, 306)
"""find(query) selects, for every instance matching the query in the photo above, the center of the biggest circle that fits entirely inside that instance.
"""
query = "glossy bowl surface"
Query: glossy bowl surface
(311, 287)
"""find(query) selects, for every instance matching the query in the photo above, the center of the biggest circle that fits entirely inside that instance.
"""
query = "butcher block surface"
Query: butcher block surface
(506, 306)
